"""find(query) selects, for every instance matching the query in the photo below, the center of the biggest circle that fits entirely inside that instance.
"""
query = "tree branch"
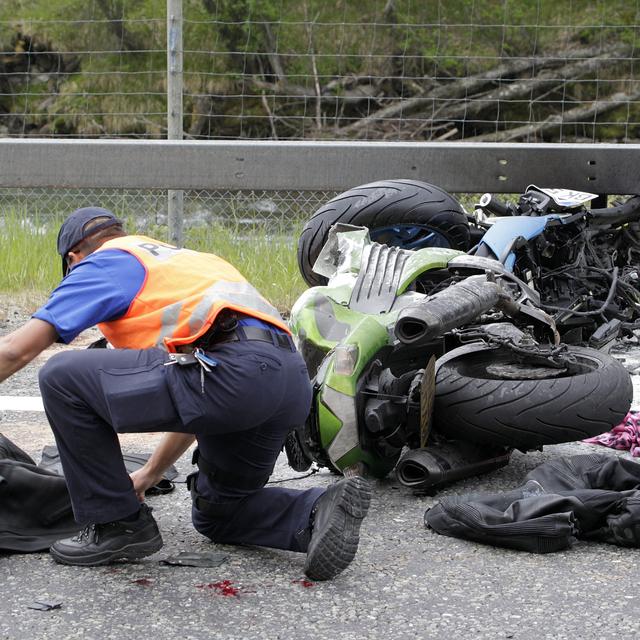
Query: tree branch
(578, 114)
(272, 54)
(465, 87)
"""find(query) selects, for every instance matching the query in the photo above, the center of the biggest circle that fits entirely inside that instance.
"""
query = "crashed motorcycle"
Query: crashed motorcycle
(437, 363)
(582, 261)
(585, 263)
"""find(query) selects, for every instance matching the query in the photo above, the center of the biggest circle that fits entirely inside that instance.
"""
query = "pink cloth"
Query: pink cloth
(625, 436)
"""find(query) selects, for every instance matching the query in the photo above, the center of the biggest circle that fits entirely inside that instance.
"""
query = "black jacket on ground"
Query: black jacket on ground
(35, 508)
(591, 497)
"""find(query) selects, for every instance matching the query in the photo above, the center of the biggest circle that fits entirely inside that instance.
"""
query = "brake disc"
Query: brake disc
(427, 397)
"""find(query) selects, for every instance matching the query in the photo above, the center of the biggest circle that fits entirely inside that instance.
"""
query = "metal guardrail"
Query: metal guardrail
(315, 166)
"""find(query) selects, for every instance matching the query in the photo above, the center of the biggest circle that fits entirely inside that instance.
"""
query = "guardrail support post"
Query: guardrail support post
(175, 198)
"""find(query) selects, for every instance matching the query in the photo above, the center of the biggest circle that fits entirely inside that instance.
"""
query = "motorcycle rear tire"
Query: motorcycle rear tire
(383, 204)
(473, 403)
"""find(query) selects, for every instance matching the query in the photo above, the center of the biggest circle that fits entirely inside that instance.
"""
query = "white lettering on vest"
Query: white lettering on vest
(159, 251)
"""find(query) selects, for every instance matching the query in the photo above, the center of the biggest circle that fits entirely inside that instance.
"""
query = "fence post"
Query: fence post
(175, 199)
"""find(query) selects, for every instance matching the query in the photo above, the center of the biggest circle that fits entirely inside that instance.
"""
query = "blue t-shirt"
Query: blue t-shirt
(101, 287)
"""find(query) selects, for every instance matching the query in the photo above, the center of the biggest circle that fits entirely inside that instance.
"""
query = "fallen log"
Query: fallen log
(465, 87)
(578, 114)
(543, 81)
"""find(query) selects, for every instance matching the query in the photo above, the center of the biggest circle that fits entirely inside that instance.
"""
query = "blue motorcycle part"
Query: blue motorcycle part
(409, 236)
(500, 236)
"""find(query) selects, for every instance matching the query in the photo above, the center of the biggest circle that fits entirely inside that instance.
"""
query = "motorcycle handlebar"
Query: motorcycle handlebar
(625, 212)
(493, 205)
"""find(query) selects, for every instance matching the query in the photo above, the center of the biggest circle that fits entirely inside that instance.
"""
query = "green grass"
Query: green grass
(30, 266)
(267, 261)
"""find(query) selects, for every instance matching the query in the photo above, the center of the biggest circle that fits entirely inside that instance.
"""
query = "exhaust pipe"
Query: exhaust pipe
(432, 467)
(453, 307)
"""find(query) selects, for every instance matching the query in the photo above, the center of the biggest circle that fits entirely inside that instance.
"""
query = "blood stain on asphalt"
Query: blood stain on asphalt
(224, 588)
(143, 582)
(304, 583)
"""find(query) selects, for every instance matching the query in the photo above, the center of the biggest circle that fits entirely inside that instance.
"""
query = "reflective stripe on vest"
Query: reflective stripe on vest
(182, 294)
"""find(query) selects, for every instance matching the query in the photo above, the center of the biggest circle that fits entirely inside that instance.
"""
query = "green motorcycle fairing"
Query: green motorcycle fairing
(340, 327)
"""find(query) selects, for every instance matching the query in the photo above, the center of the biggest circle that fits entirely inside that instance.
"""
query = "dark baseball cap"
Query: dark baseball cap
(74, 229)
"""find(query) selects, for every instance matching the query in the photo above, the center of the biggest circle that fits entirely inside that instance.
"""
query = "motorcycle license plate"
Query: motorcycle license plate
(566, 197)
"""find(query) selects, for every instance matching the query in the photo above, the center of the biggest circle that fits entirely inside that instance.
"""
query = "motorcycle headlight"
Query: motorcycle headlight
(345, 360)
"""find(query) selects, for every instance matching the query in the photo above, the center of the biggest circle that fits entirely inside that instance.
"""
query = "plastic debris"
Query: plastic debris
(193, 559)
(42, 604)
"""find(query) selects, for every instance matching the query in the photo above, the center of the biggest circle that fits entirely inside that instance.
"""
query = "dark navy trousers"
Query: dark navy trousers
(240, 417)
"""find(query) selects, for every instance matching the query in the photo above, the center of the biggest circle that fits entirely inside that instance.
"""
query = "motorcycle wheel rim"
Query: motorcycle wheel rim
(409, 236)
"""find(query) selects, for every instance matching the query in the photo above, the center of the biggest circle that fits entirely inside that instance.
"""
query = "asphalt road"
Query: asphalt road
(406, 582)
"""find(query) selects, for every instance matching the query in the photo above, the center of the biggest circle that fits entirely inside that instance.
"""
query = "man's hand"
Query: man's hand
(143, 479)
(171, 447)
(21, 346)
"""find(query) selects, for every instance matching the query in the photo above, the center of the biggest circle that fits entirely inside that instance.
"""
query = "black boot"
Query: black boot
(336, 521)
(100, 544)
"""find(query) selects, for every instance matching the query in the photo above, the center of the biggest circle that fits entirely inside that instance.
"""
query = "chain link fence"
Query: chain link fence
(273, 212)
(283, 69)
(565, 71)
(257, 231)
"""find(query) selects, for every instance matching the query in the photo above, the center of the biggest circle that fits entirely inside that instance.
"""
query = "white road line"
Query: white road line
(34, 403)
(21, 403)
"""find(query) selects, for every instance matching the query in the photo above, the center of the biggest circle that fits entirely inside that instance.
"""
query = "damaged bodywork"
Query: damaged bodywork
(400, 344)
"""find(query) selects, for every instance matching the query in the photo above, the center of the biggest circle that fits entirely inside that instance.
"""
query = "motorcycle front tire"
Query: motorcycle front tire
(482, 397)
(422, 209)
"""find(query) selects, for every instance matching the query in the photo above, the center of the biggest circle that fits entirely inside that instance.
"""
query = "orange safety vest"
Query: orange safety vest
(182, 293)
